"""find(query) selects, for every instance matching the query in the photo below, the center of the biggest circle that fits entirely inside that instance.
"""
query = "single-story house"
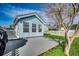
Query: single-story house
(29, 25)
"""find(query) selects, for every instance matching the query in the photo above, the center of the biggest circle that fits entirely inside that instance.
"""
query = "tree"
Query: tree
(73, 26)
(64, 16)
(11, 27)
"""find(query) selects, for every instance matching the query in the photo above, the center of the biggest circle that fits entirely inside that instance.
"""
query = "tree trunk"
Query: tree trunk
(68, 44)
(67, 49)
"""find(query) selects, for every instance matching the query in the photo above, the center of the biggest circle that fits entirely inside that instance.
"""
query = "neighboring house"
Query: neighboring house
(29, 25)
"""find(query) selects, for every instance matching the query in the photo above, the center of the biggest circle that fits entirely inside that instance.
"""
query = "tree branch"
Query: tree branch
(74, 34)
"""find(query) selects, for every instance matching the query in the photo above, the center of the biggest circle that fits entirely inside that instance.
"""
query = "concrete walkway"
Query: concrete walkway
(36, 46)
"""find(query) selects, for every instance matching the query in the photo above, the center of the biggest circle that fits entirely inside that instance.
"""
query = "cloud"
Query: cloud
(12, 11)
(19, 12)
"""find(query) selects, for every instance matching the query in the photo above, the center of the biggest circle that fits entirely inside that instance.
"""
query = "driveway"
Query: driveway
(36, 46)
(33, 47)
(14, 44)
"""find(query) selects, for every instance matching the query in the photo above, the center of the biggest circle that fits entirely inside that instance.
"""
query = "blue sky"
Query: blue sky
(9, 11)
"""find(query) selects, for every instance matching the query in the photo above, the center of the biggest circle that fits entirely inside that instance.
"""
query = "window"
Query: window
(39, 28)
(25, 27)
(33, 27)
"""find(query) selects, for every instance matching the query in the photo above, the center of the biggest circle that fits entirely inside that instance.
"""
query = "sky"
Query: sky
(9, 11)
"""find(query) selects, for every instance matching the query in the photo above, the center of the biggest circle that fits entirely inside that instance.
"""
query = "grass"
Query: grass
(58, 50)
(74, 51)
(54, 36)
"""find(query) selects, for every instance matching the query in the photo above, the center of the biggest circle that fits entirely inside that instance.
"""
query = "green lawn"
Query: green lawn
(54, 36)
(75, 47)
(58, 50)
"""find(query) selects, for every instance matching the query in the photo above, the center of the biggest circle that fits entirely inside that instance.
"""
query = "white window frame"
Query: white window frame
(39, 28)
(26, 26)
(34, 27)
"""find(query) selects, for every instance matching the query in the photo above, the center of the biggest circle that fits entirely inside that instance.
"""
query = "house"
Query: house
(29, 25)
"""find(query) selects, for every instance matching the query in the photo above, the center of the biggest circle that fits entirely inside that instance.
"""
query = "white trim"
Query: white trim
(27, 15)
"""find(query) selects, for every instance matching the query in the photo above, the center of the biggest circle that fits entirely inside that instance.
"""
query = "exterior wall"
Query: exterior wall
(19, 28)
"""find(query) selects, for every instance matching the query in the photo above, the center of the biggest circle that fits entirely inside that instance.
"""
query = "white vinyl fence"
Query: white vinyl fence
(62, 32)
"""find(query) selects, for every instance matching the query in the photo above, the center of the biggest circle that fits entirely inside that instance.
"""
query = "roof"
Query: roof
(18, 18)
